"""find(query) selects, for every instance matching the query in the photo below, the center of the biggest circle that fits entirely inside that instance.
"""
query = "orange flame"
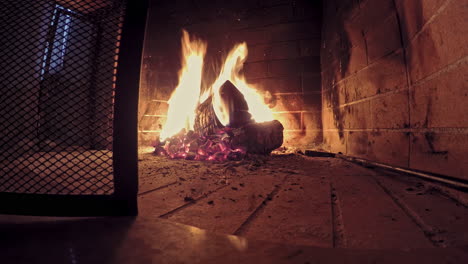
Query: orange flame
(186, 97)
(234, 62)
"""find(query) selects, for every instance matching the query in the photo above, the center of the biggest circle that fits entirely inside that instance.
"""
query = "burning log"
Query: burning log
(206, 122)
(259, 138)
(234, 107)
(211, 140)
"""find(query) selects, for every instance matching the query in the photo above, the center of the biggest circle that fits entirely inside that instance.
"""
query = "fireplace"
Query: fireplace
(332, 124)
(282, 62)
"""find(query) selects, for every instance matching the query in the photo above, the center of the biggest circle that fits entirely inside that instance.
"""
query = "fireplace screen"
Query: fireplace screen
(59, 64)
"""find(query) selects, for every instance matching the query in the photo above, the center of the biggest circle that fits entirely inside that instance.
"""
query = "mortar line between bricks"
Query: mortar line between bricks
(408, 78)
(446, 69)
(428, 231)
(373, 97)
(430, 20)
(338, 232)
(283, 41)
(377, 61)
(243, 227)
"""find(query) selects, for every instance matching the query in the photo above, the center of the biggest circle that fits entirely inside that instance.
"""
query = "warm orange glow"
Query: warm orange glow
(186, 97)
(235, 60)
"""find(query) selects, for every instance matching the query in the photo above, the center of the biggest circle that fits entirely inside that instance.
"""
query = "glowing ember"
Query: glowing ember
(192, 146)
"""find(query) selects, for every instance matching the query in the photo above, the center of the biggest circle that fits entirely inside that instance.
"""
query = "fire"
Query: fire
(185, 98)
(177, 138)
(230, 72)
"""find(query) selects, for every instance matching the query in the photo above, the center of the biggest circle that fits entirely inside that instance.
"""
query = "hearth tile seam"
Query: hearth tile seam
(429, 232)
(242, 228)
(194, 201)
(163, 186)
(338, 230)
(157, 188)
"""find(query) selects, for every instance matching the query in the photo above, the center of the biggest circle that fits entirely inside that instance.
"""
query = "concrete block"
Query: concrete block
(390, 111)
(290, 121)
(356, 60)
(290, 67)
(327, 118)
(151, 123)
(256, 70)
(358, 115)
(312, 102)
(303, 139)
(312, 120)
(278, 84)
(307, 10)
(262, 16)
(147, 139)
(334, 96)
(289, 102)
(415, 14)
(444, 39)
(334, 141)
(310, 65)
(311, 83)
(156, 108)
(383, 38)
(443, 153)
(286, 50)
(389, 147)
(258, 53)
(387, 74)
(310, 47)
(372, 12)
(357, 144)
(277, 51)
(442, 101)
(251, 36)
(292, 31)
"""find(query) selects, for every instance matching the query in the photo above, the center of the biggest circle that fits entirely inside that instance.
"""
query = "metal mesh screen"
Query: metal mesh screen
(58, 63)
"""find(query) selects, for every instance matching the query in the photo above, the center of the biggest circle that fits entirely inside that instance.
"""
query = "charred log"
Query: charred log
(206, 122)
(259, 138)
(235, 105)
